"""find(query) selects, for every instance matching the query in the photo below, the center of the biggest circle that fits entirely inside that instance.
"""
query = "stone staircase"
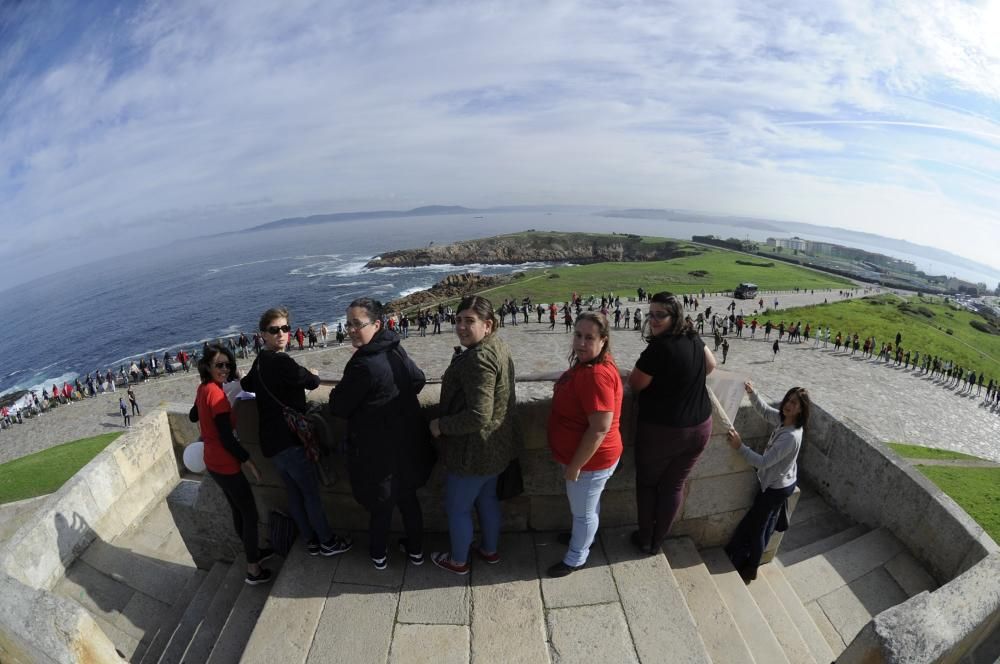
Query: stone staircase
(154, 603)
(809, 603)
(829, 578)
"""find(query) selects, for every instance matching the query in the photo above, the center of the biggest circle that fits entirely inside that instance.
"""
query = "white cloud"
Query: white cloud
(173, 117)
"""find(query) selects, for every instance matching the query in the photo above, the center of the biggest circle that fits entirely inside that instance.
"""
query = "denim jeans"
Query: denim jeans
(585, 503)
(302, 482)
(462, 492)
(755, 529)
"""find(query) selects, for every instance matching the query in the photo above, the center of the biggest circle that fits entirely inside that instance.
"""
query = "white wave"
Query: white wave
(415, 289)
(271, 260)
(352, 283)
(39, 384)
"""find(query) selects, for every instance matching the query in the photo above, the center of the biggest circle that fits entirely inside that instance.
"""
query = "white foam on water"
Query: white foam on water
(415, 289)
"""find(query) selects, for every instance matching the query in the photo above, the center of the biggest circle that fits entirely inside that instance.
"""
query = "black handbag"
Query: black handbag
(510, 483)
(281, 532)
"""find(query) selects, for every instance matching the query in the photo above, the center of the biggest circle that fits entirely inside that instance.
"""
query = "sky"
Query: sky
(124, 125)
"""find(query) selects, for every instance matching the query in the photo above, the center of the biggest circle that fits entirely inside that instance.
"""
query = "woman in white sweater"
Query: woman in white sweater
(777, 472)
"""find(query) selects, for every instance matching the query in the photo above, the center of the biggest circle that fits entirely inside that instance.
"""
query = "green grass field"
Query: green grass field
(714, 270)
(923, 321)
(976, 490)
(44, 472)
(919, 452)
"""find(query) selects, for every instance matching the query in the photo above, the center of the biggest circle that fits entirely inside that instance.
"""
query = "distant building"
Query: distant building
(795, 243)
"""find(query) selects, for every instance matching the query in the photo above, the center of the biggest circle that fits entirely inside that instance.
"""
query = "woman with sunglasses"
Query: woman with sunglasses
(385, 431)
(675, 416)
(225, 458)
(279, 381)
(476, 429)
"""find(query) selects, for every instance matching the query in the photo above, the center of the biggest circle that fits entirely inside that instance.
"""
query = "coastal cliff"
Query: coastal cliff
(452, 287)
(534, 246)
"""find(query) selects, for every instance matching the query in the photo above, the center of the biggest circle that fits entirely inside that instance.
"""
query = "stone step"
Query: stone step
(781, 624)
(715, 624)
(655, 609)
(789, 558)
(849, 608)
(193, 615)
(756, 632)
(242, 619)
(217, 613)
(910, 576)
(152, 577)
(820, 575)
(152, 645)
(287, 625)
(810, 633)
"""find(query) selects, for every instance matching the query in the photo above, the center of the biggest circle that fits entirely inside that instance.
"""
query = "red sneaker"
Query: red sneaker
(444, 561)
(491, 558)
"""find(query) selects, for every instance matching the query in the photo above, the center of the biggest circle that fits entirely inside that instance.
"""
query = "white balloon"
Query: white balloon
(194, 457)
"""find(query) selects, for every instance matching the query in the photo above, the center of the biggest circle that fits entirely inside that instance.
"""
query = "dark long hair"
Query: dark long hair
(603, 329)
(482, 307)
(804, 401)
(678, 324)
(209, 355)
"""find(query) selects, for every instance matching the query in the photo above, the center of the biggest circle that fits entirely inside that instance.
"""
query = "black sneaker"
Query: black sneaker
(264, 554)
(336, 546)
(415, 558)
(312, 547)
(380, 563)
(258, 579)
(561, 569)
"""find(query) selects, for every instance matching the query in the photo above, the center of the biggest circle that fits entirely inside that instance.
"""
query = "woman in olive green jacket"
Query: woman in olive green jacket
(476, 429)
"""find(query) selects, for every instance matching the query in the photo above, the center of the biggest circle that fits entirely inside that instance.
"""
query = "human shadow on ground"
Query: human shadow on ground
(127, 590)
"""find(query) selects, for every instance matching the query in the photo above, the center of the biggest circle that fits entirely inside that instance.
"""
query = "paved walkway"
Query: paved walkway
(896, 405)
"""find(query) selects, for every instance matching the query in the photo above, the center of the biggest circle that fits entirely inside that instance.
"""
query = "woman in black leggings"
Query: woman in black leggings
(675, 416)
(225, 458)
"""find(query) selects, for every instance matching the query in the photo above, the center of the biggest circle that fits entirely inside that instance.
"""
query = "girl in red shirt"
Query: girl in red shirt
(225, 458)
(583, 432)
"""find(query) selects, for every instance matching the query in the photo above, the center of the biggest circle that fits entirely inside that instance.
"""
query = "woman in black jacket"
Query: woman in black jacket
(389, 456)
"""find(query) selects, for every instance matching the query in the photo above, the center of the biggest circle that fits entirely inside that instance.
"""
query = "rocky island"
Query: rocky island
(532, 246)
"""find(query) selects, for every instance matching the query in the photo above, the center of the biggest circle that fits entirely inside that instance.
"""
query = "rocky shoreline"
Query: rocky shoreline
(452, 287)
(536, 246)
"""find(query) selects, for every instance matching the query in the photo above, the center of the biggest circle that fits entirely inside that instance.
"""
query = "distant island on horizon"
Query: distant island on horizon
(666, 214)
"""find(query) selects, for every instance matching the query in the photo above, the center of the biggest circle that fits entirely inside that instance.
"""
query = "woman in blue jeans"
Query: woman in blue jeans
(476, 431)
(279, 381)
(777, 472)
(583, 433)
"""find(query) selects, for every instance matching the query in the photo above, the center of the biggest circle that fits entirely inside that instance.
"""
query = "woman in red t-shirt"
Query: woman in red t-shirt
(225, 458)
(583, 432)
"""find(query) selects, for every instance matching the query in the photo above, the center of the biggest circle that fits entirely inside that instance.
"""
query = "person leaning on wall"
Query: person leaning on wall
(777, 473)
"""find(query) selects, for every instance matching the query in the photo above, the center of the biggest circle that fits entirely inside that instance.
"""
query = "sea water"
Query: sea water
(182, 294)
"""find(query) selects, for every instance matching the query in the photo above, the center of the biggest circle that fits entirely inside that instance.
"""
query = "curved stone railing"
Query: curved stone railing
(864, 479)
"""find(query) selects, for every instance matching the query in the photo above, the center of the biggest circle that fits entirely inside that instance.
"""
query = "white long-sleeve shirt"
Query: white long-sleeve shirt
(777, 467)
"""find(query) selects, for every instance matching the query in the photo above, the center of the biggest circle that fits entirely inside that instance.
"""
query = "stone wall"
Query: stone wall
(864, 479)
(719, 492)
(115, 489)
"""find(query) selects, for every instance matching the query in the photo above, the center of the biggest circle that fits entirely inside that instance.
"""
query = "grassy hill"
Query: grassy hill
(712, 270)
(928, 324)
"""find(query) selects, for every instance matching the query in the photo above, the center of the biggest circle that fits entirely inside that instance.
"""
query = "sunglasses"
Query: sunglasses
(223, 365)
(659, 315)
(357, 325)
(274, 329)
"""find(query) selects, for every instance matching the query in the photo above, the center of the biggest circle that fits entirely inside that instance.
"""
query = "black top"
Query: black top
(287, 381)
(378, 398)
(677, 396)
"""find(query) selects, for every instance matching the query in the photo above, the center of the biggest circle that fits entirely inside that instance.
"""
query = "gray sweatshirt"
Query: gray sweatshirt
(777, 467)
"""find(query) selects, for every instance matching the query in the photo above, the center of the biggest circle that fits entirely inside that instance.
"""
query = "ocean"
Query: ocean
(182, 294)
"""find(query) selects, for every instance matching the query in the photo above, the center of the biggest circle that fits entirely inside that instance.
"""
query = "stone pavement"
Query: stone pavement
(892, 403)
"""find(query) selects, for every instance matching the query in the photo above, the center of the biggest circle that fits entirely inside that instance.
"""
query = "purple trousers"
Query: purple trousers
(664, 457)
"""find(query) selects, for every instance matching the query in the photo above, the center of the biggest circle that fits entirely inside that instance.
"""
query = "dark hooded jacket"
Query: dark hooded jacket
(387, 436)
